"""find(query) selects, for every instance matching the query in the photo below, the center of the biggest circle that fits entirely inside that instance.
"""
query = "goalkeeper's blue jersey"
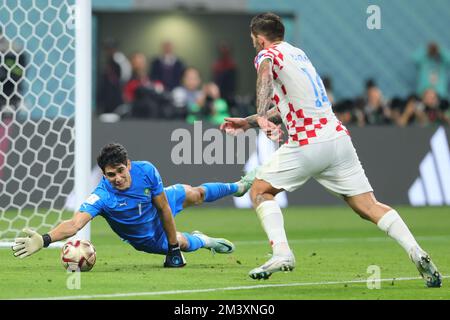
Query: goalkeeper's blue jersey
(130, 213)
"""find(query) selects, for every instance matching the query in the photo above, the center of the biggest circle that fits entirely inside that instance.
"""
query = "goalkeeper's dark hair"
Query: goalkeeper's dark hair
(113, 154)
(269, 25)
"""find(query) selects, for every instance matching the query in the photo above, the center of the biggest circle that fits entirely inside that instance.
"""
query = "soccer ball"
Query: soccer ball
(78, 255)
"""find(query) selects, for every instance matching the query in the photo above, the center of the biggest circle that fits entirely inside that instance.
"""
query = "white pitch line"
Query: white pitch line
(157, 293)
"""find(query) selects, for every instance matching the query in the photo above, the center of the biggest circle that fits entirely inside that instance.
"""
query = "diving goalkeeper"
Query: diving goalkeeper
(132, 199)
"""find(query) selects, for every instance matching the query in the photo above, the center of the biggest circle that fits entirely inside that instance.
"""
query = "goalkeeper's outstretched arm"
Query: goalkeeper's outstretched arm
(24, 247)
(69, 228)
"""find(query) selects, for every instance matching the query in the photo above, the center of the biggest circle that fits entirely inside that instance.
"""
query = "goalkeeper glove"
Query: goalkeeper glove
(24, 247)
(174, 257)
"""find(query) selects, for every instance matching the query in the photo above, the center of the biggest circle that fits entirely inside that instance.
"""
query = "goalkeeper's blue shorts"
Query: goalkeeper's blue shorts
(158, 244)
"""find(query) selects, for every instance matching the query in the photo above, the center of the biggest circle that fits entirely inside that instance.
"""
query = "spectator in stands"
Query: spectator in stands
(375, 109)
(433, 64)
(209, 106)
(116, 73)
(189, 92)
(405, 112)
(225, 72)
(140, 92)
(415, 111)
(167, 68)
(433, 108)
(345, 111)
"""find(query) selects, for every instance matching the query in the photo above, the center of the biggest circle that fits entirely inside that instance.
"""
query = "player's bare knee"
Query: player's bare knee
(194, 195)
(259, 193)
(256, 195)
(198, 195)
(201, 194)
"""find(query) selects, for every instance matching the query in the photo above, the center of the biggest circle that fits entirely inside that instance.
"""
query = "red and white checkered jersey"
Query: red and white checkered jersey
(300, 96)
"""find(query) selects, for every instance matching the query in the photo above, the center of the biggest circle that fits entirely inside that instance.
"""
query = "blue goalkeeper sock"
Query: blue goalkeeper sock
(218, 190)
(194, 242)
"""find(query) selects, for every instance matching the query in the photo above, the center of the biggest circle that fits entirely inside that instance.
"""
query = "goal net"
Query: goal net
(40, 106)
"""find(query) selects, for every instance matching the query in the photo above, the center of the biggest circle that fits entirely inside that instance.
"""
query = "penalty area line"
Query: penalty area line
(261, 286)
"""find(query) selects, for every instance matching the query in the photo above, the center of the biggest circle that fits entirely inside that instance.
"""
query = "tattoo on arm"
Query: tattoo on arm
(264, 93)
(264, 88)
(251, 120)
(272, 115)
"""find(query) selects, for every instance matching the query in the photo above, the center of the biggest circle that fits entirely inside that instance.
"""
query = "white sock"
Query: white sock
(395, 227)
(269, 213)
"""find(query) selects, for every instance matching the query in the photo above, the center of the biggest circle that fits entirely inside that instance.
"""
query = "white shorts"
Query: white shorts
(334, 164)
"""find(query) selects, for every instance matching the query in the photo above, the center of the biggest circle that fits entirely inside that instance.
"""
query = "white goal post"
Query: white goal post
(83, 107)
(45, 113)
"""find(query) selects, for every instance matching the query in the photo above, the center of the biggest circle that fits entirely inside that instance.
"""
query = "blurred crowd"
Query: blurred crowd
(167, 88)
(428, 105)
(373, 109)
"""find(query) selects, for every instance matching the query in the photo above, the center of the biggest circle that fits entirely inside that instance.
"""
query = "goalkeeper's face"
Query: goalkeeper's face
(119, 176)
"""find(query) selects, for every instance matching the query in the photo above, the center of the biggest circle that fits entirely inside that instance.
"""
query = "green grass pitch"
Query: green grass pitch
(333, 248)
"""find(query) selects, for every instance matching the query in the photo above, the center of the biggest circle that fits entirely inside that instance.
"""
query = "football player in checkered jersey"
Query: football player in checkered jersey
(290, 91)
